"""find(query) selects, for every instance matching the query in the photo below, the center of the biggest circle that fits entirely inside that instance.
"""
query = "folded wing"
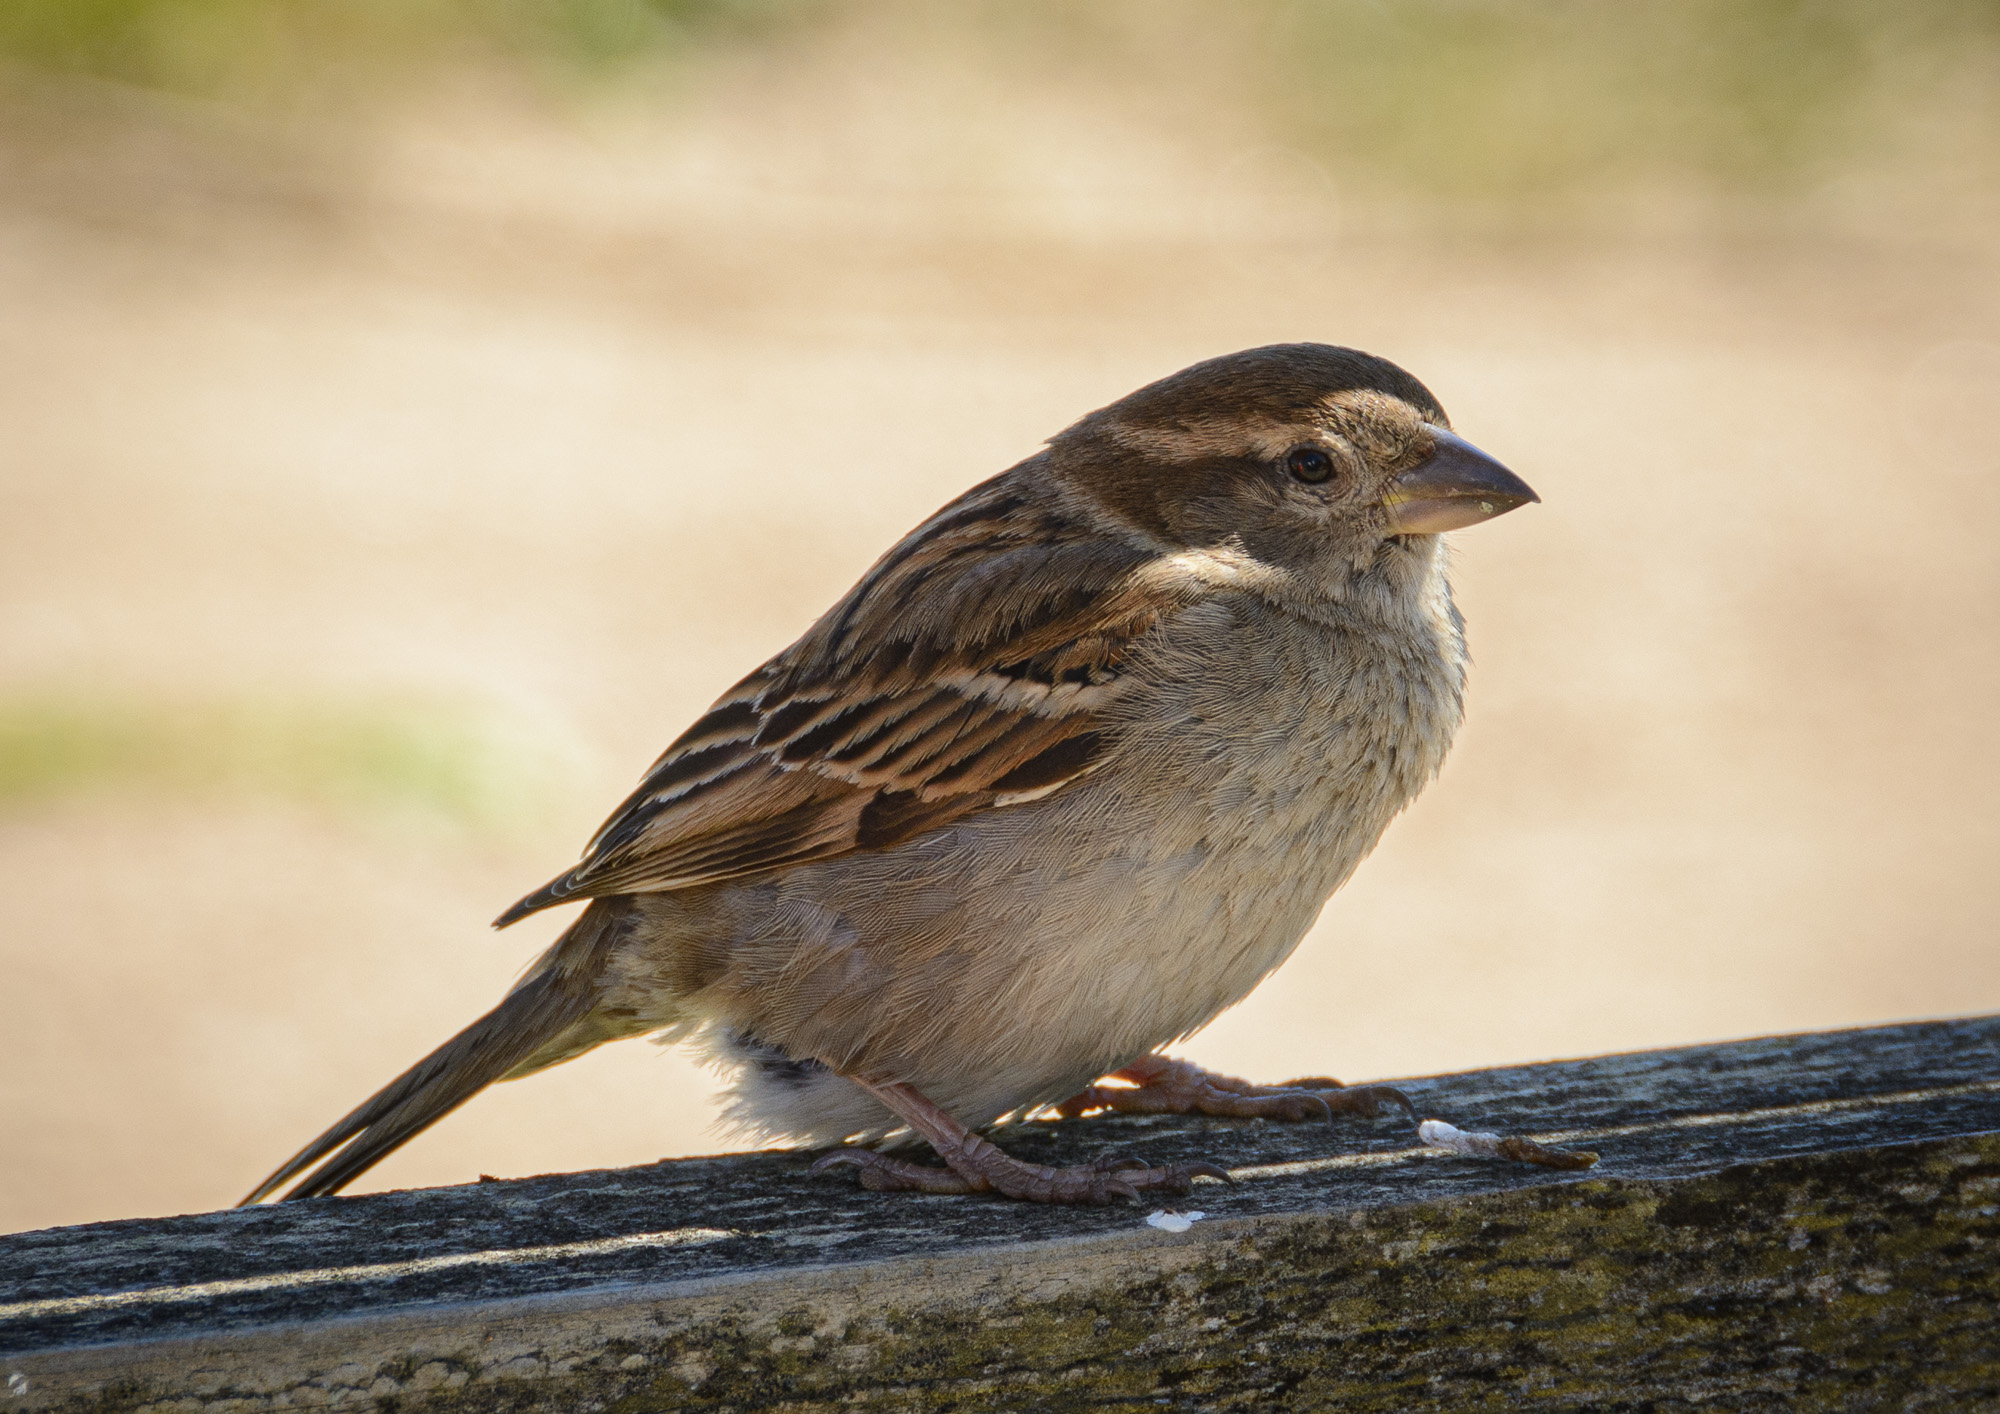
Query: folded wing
(969, 670)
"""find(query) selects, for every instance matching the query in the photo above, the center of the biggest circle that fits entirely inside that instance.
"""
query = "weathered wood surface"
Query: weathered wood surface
(1791, 1223)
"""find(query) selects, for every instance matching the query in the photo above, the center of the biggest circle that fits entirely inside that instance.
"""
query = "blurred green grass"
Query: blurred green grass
(271, 49)
(427, 762)
(1479, 97)
(1495, 97)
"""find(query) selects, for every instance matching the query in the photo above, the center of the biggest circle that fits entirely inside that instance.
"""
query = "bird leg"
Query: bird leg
(1158, 1085)
(974, 1165)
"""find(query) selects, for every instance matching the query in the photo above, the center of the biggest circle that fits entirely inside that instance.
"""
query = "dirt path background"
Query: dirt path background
(367, 523)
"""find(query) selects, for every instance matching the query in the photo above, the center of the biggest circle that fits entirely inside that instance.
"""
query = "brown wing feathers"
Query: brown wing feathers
(951, 679)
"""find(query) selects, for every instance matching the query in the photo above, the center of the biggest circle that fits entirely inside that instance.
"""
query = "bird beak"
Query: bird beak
(1455, 486)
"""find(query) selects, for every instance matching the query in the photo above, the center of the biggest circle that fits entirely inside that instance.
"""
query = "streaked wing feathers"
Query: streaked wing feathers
(968, 669)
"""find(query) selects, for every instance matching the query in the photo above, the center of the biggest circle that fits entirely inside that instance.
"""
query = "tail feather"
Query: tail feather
(521, 1034)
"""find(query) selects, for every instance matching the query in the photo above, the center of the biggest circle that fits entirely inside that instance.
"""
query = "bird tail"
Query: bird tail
(544, 1020)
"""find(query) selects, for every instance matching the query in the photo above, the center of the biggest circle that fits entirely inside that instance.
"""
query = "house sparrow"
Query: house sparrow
(1068, 772)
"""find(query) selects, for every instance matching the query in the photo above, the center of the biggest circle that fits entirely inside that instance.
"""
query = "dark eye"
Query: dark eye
(1309, 464)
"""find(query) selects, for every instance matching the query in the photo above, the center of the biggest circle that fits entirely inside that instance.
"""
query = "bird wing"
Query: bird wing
(969, 669)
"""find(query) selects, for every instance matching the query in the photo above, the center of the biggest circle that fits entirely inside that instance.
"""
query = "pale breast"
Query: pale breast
(1261, 767)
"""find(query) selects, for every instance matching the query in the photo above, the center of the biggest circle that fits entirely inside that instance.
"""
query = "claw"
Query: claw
(1319, 1100)
(1114, 1163)
(1204, 1170)
(1374, 1097)
(1409, 1108)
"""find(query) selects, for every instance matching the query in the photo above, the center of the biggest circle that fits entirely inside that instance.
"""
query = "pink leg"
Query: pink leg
(973, 1165)
(1177, 1087)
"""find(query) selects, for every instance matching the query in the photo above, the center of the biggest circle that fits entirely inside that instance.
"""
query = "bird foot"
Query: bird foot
(1158, 1085)
(981, 1167)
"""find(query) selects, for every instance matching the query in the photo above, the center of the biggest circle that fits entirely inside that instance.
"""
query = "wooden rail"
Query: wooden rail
(1800, 1222)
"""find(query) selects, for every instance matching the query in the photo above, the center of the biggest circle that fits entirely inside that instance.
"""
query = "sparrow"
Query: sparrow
(1068, 772)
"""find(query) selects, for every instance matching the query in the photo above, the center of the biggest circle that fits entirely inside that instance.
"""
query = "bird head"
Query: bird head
(1325, 461)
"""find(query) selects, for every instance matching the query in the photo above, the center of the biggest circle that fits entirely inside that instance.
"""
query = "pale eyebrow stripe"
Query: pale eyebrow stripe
(372, 1271)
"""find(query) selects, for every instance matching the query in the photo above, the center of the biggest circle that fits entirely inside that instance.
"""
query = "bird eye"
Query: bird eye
(1309, 464)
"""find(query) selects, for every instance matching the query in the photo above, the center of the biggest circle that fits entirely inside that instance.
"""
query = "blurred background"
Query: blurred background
(413, 412)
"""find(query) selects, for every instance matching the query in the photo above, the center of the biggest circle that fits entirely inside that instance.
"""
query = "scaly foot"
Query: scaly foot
(1176, 1087)
(983, 1168)
(976, 1165)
